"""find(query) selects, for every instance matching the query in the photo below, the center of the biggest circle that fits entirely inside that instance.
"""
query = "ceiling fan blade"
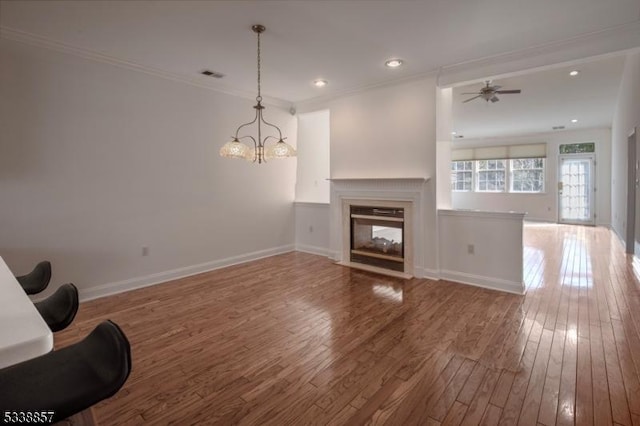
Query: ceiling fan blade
(494, 99)
(508, 92)
(471, 93)
(496, 87)
(475, 97)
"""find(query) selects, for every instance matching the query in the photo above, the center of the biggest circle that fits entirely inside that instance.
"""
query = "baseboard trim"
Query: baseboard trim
(484, 282)
(320, 251)
(622, 241)
(430, 274)
(161, 277)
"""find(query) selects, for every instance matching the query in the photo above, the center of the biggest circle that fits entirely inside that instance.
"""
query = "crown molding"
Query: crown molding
(613, 40)
(609, 41)
(50, 44)
(594, 45)
(312, 104)
(543, 137)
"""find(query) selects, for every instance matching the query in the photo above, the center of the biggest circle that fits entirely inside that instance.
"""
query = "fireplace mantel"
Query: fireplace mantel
(379, 183)
(409, 192)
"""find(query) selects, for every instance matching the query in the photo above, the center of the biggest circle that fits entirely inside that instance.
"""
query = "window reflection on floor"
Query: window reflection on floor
(636, 267)
(576, 261)
(533, 256)
(388, 292)
(575, 267)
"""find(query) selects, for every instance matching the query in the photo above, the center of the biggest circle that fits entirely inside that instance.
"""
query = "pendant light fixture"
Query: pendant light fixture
(259, 152)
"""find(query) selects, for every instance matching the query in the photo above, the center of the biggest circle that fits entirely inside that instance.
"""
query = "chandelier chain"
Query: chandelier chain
(259, 98)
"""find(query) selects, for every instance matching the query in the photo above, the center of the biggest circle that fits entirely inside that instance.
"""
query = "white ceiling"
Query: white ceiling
(549, 98)
(345, 42)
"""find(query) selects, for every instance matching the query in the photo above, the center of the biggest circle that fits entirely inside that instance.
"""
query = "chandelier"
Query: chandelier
(259, 152)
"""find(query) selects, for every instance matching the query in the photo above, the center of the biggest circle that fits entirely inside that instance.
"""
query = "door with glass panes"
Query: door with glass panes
(576, 190)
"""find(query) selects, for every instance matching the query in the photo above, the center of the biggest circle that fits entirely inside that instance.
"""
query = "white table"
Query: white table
(23, 332)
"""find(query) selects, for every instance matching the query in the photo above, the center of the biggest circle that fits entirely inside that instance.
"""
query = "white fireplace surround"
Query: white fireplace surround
(407, 192)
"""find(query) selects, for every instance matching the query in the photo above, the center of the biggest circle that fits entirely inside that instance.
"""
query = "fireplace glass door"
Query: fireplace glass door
(377, 237)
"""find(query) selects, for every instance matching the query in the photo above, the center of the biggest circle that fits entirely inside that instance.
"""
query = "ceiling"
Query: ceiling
(345, 42)
(549, 98)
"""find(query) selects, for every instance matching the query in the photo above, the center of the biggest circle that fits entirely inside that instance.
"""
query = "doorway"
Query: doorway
(632, 239)
(576, 186)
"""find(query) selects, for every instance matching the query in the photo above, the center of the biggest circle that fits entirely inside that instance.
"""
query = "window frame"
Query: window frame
(464, 170)
(489, 170)
(542, 170)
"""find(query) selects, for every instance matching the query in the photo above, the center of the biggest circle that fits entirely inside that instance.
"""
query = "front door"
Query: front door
(576, 189)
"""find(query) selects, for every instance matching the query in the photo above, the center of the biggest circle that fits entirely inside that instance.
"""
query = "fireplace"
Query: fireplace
(377, 236)
(395, 218)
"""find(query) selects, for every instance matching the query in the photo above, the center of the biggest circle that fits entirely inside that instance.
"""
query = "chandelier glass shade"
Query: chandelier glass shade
(259, 152)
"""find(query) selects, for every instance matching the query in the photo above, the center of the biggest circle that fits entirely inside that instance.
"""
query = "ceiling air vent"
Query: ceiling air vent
(210, 73)
(558, 127)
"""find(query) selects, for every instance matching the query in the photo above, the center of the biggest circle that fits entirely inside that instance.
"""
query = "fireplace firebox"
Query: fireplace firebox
(377, 236)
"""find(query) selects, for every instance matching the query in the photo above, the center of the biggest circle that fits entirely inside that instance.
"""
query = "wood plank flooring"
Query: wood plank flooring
(294, 339)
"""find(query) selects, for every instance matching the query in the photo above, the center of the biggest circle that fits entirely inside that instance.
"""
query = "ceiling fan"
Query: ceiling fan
(489, 92)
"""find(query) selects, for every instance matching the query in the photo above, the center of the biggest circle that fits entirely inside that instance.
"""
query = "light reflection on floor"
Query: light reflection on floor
(577, 274)
(388, 292)
(575, 268)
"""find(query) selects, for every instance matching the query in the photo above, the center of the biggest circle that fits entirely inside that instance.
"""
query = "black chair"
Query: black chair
(59, 309)
(38, 279)
(69, 380)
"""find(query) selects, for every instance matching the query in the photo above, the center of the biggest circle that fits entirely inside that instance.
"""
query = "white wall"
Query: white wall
(482, 249)
(544, 206)
(385, 132)
(444, 126)
(98, 161)
(626, 117)
(312, 227)
(390, 132)
(312, 173)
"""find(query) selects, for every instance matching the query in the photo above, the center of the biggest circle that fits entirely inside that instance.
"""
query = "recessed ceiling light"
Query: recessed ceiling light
(394, 63)
(454, 133)
(574, 73)
(320, 83)
(575, 120)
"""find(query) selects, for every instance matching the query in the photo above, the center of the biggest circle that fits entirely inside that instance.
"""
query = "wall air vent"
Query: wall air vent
(558, 127)
(210, 73)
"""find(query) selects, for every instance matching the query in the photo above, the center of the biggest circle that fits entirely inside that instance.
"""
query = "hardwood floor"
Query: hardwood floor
(294, 339)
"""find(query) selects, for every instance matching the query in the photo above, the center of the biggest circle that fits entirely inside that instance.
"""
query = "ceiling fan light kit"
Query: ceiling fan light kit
(489, 92)
(259, 152)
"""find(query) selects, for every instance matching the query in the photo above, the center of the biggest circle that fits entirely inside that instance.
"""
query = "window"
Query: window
(462, 175)
(518, 169)
(527, 175)
(491, 175)
(577, 148)
(520, 175)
